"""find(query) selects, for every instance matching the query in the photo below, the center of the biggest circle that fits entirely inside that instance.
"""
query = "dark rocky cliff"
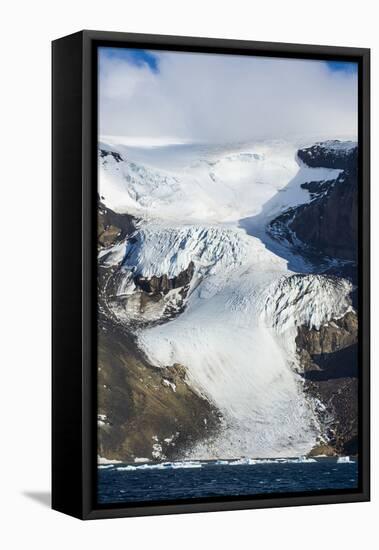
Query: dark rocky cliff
(328, 224)
(163, 284)
(329, 360)
(330, 154)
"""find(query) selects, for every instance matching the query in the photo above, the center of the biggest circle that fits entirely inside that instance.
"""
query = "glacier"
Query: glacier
(203, 183)
(236, 333)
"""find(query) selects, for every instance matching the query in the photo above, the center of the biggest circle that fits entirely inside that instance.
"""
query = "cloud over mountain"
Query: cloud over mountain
(219, 98)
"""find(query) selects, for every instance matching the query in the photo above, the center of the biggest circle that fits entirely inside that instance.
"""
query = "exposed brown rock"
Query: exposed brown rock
(337, 334)
(340, 397)
(108, 235)
(145, 412)
(112, 227)
(322, 449)
(163, 283)
(329, 361)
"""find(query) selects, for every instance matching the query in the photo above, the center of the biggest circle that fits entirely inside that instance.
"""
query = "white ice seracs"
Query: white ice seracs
(309, 300)
(237, 339)
(165, 249)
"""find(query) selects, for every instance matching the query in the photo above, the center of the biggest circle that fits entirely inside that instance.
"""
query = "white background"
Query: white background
(27, 29)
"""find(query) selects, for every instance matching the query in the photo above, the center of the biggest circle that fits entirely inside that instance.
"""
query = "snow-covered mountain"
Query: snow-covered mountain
(201, 183)
(219, 296)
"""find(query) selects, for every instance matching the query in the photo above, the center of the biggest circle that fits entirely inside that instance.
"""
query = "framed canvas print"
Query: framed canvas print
(210, 274)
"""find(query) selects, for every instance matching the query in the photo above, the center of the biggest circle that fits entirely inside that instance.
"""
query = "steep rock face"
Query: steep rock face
(331, 154)
(338, 412)
(328, 224)
(329, 360)
(335, 335)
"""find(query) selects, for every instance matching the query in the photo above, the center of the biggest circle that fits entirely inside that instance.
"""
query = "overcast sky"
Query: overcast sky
(221, 98)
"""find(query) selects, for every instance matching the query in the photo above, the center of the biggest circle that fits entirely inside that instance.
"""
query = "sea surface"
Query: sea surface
(119, 483)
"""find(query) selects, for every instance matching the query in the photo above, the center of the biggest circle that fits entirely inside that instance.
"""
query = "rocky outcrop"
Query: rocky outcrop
(112, 227)
(322, 449)
(105, 153)
(336, 335)
(331, 154)
(329, 361)
(339, 418)
(163, 284)
(316, 188)
(140, 301)
(328, 224)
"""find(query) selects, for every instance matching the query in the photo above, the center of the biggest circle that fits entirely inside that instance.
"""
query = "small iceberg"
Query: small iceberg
(186, 465)
(344, 460)
(244, 462)
(305, 459)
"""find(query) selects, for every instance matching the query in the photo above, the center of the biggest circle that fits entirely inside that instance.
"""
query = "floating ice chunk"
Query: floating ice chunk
(103, 460)
(344, 460)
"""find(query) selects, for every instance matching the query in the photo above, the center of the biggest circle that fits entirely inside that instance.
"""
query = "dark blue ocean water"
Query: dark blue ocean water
(117, 484)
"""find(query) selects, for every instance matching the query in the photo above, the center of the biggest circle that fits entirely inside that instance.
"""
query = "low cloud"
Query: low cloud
(219, 98)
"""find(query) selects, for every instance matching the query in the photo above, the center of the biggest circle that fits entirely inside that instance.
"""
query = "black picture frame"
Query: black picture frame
(74, 132)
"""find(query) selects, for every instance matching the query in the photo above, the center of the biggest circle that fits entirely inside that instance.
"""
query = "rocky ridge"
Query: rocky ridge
(328, 224)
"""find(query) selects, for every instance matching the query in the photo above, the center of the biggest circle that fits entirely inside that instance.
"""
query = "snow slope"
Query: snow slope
(203, 184)
(236, 336)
